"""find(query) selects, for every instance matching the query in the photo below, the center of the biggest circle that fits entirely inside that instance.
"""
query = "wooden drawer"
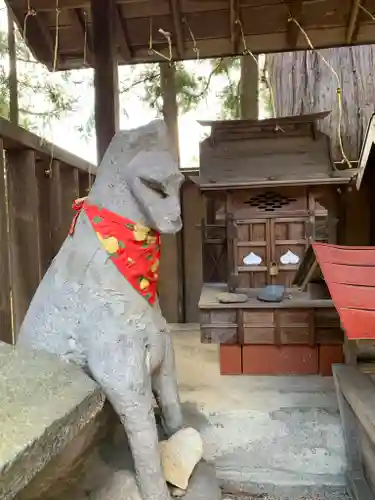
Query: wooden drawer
(221, 316)
(258, 335)
(219, 334)
(296, 335)
(219, 326)
(296, 317)
(258, 317)
(277, 326)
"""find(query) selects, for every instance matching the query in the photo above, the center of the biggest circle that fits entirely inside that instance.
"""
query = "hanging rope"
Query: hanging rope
(151, 49)
(85, 39)
(30, 12)
(54, 67)
(195, 46)
(247, 52)
(367, 12)
(56, 48)
(338, 90)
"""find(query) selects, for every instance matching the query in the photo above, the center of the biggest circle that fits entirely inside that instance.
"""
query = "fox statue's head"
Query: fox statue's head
(139, 178)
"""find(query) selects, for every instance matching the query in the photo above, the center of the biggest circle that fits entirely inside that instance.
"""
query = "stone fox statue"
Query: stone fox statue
(87, 312)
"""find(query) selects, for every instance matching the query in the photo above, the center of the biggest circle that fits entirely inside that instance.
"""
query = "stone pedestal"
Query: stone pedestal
(59, 439)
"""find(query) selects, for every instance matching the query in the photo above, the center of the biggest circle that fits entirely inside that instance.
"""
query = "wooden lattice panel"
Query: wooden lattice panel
(268, 203)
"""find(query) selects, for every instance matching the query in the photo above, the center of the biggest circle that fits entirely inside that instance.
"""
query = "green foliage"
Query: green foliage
(190, 89)
(42, 96)
(230, 68)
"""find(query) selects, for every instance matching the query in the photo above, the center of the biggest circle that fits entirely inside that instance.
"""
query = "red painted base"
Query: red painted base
(283, 360)
(230, 359)
(328, 355)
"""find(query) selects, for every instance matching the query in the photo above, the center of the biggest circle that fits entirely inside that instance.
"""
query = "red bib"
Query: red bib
(133, 248)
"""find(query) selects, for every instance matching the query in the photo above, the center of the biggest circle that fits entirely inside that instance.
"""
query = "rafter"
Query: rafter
(353, 24)
(80, 15)
(177, 23)
(38, 34)
(48, 5)
(122, 35)
(292, 29)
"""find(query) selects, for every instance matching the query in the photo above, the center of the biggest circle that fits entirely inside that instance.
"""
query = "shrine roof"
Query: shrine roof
(285, 151)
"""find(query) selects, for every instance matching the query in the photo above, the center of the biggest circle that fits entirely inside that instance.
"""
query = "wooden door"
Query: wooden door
(252, 252)
(268, 251)
(288, 243)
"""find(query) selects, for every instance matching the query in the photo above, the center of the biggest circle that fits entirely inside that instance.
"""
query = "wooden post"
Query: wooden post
(86, 181)
(44, 189)
(25, 255)
(193, 209)
(105, 73)
(171, 290)
(64, 190)
(6, 334)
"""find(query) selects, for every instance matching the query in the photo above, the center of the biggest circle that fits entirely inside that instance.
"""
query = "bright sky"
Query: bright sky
(135, 113)
(64, 132)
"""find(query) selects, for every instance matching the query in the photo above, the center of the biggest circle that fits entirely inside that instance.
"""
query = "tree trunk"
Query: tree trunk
(303, 83)
(249, 88)
(170, 106)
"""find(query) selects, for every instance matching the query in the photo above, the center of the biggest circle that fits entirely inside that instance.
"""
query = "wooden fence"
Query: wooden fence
(38, 184)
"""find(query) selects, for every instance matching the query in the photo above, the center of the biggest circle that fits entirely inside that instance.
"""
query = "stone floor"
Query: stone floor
(277, 436)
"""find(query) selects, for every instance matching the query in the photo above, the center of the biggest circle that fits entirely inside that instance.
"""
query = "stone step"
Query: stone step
(45, 404)
(322, 495)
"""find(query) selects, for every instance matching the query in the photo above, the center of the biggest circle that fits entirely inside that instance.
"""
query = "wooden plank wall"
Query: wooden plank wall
(193, 212)
(36, 198)
(181, 261)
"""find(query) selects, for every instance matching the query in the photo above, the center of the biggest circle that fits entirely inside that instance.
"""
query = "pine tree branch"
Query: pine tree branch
(145, 79)
(40, 114)
(214, 71)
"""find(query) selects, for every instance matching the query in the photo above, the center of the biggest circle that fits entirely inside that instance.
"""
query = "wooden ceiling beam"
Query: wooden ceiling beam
(177, 23)
(353, 25)
(293, 30)
(122, 35)
(83, 24)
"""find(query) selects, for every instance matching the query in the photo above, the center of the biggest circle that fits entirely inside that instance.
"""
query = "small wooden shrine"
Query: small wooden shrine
(271, 189)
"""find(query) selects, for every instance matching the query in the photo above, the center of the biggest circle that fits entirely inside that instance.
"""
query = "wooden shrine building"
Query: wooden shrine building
(275, 190)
